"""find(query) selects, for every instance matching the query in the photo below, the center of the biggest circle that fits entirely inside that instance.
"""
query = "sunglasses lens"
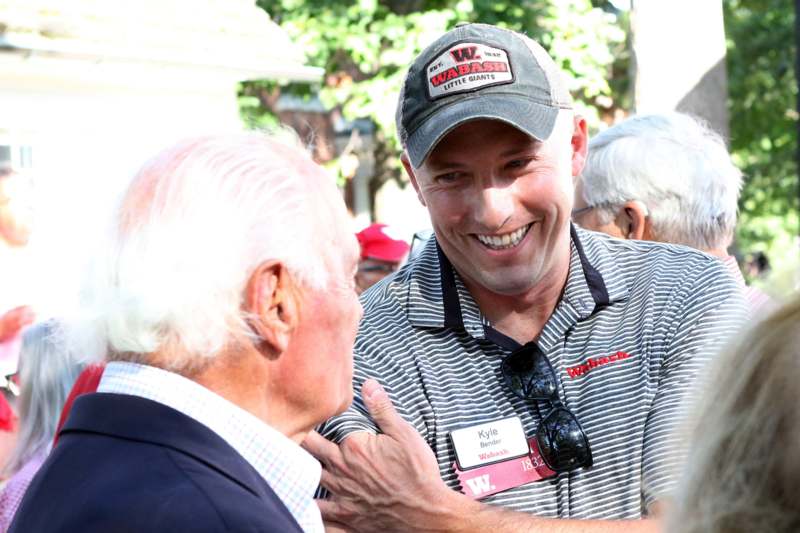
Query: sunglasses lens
(529, 375)
(562, 442)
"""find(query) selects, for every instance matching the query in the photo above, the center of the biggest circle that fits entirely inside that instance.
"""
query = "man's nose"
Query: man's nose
(495, 207)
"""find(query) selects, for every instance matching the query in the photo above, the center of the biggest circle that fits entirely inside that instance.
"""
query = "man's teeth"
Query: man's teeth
(509, 240)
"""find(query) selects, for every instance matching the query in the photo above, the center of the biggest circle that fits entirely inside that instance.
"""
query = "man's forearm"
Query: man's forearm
(458, 514)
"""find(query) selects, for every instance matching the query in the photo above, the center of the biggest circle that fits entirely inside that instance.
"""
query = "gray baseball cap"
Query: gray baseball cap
(478, 71)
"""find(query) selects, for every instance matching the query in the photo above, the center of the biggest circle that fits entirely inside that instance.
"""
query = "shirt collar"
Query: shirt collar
(291, 472)
(437, 296)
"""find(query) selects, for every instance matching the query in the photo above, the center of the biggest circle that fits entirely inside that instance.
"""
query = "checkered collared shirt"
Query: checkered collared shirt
(289, 470)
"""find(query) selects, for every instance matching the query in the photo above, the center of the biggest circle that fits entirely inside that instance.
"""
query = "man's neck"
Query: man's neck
(523, 316)
(721, 253)
(241, 377)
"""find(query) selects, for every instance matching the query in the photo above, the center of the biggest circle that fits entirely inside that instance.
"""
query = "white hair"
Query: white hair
(677, 166)
(47, 371)
(194, 223)
(743, 469)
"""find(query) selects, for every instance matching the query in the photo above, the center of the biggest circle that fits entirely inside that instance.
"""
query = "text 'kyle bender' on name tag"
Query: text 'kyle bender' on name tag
(499, 440)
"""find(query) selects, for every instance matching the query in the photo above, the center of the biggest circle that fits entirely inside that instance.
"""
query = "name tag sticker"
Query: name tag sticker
(499, 440)
(484, 481)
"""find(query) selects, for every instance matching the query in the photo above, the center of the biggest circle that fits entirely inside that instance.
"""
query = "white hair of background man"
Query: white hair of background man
(192, 226)
(677, 166)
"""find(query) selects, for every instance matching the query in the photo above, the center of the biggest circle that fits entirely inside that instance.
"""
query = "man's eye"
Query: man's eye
(448, 178)
(518, 163)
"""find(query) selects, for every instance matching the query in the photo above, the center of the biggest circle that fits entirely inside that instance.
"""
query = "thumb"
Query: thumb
(381, 409)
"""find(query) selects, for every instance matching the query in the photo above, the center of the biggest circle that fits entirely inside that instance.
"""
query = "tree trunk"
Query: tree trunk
(679, 54)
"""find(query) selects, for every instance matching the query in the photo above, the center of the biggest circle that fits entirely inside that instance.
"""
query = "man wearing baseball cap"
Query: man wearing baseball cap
(546, 368)
(382, 252)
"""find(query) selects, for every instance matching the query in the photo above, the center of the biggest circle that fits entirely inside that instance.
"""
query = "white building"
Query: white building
(89, 88)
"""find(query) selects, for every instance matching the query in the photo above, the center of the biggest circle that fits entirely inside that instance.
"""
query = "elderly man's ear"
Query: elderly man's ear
(271, 302)
(633, 222)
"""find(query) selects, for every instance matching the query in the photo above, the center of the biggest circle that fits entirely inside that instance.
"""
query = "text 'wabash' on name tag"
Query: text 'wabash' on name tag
(490, 442)
(481, 482)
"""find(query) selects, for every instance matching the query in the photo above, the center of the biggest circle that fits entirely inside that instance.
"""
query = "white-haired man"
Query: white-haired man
(664, 177)
(227, 310)
(544, 366)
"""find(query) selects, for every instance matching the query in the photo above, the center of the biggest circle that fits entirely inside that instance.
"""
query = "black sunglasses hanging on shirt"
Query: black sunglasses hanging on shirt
(562, 442)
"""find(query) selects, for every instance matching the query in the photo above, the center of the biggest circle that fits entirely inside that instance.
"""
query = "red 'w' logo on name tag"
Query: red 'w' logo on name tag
(480, 485)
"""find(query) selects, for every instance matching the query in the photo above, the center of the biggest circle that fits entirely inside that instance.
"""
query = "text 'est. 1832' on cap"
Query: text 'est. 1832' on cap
(478, 71)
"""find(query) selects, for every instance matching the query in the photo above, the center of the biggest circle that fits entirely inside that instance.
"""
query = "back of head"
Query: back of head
(677, 166)
(743, 471)
(47, 371)
(192, 226)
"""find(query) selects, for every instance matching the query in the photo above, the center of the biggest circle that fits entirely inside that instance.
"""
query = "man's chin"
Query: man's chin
(507, 283)
(344, 405)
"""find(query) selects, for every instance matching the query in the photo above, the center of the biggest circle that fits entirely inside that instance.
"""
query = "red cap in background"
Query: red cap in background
(378, 242)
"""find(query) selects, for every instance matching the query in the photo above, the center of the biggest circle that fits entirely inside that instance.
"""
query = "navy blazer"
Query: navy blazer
(127, 464)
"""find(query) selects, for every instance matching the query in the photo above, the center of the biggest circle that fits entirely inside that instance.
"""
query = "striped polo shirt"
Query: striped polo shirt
(634, 329)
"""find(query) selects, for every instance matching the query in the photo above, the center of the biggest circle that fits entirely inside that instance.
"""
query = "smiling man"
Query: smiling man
(544, 367)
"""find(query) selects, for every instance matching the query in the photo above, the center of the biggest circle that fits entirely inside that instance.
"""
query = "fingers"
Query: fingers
(329, 481)
(330, 512)
(321, 448)
(381, 409)
(333, 527)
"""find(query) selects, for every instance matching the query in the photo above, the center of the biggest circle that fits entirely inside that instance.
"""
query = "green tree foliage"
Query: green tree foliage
(763, 99)
(366, 46)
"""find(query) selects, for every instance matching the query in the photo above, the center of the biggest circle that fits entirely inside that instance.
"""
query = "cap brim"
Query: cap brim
(535, 119)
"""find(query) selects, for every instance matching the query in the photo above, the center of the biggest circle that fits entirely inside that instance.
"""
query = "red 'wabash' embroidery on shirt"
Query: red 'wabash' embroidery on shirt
(579, 370)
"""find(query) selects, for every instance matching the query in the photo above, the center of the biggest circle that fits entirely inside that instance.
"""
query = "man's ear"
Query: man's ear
(411, 176)
(271, 302)
(580, 145)
(637, 222)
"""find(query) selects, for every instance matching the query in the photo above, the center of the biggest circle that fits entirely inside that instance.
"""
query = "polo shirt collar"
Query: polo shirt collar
(437, 296)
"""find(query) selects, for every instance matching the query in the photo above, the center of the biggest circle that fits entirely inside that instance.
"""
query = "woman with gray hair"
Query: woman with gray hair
(743, 470)
(47, 371)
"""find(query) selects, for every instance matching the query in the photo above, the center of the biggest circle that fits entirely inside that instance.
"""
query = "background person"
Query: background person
(668, 178)
(228, 337)
(382, 253)
(16, 225)
(16, 208)
(743, 469)
(47, 371)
